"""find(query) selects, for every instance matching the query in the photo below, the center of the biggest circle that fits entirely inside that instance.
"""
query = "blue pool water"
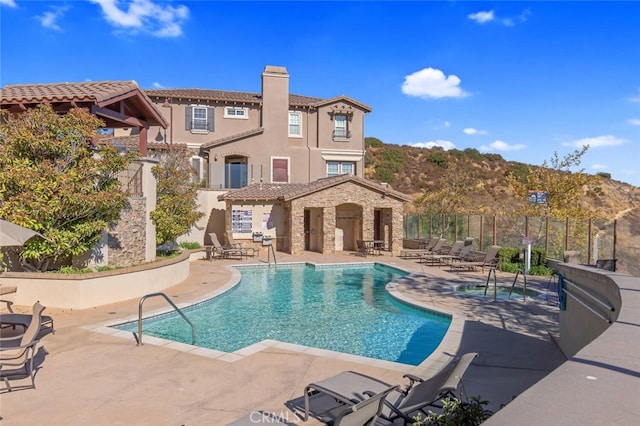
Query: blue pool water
(343, 308)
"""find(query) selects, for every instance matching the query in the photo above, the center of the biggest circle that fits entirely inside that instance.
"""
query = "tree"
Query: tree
(176, 202)
(55, 181)
(564, 187)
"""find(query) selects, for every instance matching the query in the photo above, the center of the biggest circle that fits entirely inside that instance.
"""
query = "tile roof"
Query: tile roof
(245, 97)
(290, 191)
(99, 93)
(96, 91)
(232, 138)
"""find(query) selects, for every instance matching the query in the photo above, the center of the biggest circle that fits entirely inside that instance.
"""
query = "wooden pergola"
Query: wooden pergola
(120, 104)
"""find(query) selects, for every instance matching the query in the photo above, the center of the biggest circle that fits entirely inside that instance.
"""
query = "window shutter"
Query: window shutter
(187, 117)
(210, 119)
(280, 170)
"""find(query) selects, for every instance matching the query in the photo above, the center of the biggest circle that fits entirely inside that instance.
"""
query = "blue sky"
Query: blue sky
(521, 79)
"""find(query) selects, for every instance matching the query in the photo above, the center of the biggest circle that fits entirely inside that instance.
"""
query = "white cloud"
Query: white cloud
(472, 131)
(635, 98)
(490, 16)
(10, 3)
(50, 18)
(598, 141)
(634, 121)
(432, 83)
(482, 17)
(157, 85)
(446, 145)
(599, 167)
(501, 146)
(145, 16)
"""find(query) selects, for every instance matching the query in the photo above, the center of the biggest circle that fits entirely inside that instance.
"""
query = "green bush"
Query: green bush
(439, 158)
(385, 174)
(541, 270)
(372, 142)
(190, 245)
(510, 267)
(456, 412)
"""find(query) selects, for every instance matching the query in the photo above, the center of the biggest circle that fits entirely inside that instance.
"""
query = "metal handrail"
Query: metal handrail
(495, 284)
(586, 306)
(173, 305)
(589, 295)
(269, 251)
(524, 289)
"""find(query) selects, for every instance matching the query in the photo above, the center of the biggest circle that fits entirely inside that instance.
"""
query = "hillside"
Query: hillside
(415, 171)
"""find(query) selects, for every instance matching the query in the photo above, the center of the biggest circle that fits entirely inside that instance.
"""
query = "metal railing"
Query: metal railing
(173, 305)
(586, 299)
(131, 180)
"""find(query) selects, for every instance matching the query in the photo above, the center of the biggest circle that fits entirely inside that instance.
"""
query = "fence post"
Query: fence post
(566, 234)
(589, 243)
(495, 227)
(546, 235)
(481, 231)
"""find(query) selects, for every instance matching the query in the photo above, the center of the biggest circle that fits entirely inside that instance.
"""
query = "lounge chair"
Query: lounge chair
(250, 251)
(13, 319)
(459, 251)
(489, 260)
(364, 413)
(350, 387)
(17, 353)
(433, 246)
(224, 252)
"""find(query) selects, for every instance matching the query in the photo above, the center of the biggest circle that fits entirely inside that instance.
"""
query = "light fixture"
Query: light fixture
(215, 157)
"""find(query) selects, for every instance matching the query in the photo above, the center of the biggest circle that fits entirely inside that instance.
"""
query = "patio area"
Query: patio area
(89, 377)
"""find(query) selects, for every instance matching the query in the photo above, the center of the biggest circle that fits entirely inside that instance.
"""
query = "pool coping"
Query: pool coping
(437, 359)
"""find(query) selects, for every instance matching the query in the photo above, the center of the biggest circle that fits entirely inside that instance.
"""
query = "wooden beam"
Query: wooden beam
(142, 142)
(123, 118)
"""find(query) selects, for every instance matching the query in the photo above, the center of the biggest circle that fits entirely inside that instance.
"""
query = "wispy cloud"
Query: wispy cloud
(502, 146)
(597, 142)
(472, 131)
(635, 98)
(157, 85)
(634, 121)
(49, 19)
(160, 20)
(484, 17)
(446, 145)
(10, 3)
(599, 167)
(432, 83)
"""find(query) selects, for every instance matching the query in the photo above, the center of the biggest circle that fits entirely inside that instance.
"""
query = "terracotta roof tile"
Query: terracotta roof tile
(244, 97)
(97, 91)
(290, 191)
(232, 138)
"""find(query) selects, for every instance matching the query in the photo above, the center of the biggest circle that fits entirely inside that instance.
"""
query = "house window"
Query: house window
(280, 170)
(198, 119)
(236, 112)
(335, 168)
(295, 124)
(196, 169)
(341, 130)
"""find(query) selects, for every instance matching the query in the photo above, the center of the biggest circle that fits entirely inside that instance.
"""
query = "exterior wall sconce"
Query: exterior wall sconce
(215, 157)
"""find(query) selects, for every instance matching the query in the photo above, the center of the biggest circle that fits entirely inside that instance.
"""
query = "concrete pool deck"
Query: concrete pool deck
(90, 377)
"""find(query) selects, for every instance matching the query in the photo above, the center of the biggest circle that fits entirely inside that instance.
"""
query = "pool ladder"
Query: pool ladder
(175, 308)
(515, 279)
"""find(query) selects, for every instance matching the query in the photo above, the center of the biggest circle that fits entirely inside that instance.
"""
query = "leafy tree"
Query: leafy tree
(55, 181)
(176, 202)
(564, 187)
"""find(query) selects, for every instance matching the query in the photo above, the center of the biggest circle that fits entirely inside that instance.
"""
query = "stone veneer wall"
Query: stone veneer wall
(348, 192)
(127, 238)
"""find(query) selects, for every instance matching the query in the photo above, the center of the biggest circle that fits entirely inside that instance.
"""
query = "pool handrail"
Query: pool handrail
(173, 305)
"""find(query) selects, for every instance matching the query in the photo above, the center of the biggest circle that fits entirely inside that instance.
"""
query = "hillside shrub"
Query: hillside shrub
(439, 158)
(371, 142)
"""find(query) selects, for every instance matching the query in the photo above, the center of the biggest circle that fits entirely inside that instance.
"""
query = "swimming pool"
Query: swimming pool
(342, 308)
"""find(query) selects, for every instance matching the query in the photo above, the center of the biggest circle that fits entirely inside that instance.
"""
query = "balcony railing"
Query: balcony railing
(341, 134)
